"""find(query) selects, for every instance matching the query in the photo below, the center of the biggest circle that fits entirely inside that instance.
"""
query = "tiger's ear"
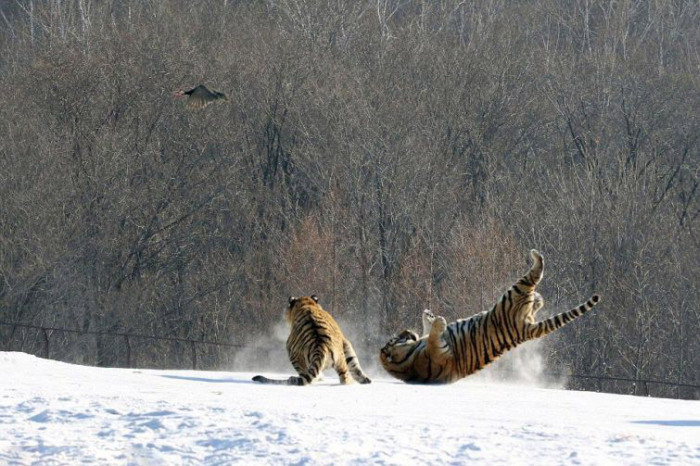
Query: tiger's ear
(407, 335)
(292, 300)
(314, 297)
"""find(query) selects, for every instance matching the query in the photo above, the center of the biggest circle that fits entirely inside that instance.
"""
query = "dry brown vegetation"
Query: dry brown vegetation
(385, 155)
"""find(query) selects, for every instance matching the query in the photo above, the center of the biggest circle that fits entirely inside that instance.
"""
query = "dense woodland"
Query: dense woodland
(385, 155)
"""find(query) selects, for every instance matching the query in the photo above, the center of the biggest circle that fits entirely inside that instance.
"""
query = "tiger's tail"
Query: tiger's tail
(317, 361)
(263, 379)
(354, 363)
(546, 327)
(534, 275)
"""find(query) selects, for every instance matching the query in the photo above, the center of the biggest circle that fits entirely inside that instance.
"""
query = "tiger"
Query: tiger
(316, 343)
(446, 353)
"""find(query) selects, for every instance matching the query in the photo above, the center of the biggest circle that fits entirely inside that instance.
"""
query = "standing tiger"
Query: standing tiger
(315, 343)
(446, 353)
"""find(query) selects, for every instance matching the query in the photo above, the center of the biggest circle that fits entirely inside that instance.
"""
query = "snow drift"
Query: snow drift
(57, 413)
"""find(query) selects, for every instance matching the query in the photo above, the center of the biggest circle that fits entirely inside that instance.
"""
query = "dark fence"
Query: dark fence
(638, 386)
(128, 338)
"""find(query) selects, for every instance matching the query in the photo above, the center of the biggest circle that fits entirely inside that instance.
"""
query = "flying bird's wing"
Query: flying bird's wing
(200, 97)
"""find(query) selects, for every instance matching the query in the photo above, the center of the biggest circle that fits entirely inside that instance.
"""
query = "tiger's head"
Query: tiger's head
(397, 355)
(296, 304)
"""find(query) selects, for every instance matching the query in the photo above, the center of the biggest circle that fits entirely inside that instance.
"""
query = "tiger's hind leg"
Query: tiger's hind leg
(538, 302)
(341, 367)
(353, 363)
(528, 283)
(308, 372)
(547, 326)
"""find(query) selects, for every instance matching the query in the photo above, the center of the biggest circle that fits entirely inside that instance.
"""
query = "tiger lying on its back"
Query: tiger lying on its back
(315, 343)
(446, 353)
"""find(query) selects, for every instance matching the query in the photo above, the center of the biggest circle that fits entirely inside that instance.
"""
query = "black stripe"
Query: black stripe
(296, 381)
(491, 343)
(498, 330)
(437, 376)
(514, 324)
(452, 342)
(487, 359)
(487, 341)
(409, 353)
(509, 301)
(507, 329)
(473, 340)
(463, 343)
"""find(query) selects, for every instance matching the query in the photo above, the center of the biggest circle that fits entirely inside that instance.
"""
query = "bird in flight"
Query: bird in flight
(200, 96)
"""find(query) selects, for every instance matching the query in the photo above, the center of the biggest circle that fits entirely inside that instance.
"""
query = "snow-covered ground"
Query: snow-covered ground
(56, 413)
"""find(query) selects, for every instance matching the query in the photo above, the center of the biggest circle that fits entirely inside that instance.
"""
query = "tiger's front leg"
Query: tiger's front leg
(437, 346)
(427, 319)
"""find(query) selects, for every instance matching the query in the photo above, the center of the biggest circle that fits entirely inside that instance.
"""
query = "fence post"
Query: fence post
(46, 343)
(128, 351)
(194, 355)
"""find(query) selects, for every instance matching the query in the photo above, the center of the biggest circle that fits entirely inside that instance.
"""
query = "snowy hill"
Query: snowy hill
(56, 413)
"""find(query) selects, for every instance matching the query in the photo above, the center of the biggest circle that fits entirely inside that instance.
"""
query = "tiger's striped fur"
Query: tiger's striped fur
(446, 353)
(316, 343)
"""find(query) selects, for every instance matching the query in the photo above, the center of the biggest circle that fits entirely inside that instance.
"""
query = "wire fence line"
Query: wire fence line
(193, 348)
(127, 336)
(640, 386)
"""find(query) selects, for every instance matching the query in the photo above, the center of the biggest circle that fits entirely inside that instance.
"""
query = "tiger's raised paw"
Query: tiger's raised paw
(440, 323)
(427, 319)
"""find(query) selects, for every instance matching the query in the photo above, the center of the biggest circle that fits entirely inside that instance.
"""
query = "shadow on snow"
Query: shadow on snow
(673, 423)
